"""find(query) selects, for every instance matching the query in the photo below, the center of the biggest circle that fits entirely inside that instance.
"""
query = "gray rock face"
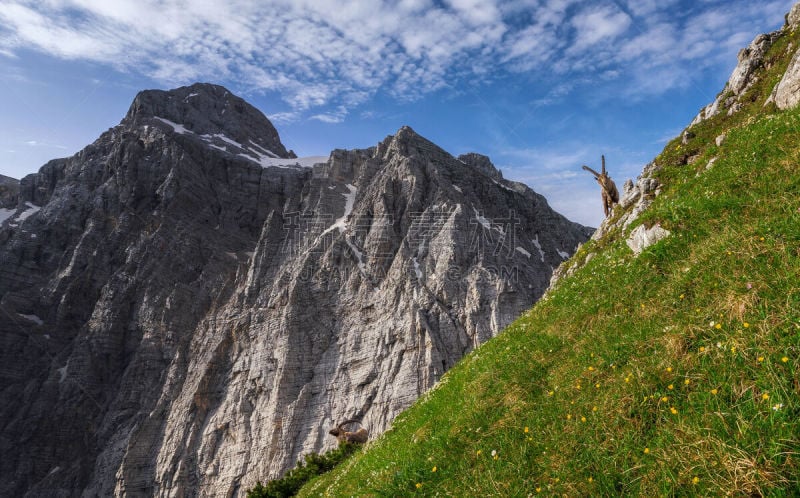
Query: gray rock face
(742, 78)
(787, 94)
(180, 318)
(643, 237)
(481, 163)
(793, 17)
(9, 197)
(9, 192)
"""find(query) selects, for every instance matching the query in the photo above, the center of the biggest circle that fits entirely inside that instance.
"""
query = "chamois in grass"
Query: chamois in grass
(344, 436)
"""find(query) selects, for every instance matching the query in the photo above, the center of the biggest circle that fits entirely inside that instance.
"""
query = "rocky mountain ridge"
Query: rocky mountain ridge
(189, 307)
(751, 59)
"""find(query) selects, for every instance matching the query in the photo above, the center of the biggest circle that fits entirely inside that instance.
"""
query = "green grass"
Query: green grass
(674, 373)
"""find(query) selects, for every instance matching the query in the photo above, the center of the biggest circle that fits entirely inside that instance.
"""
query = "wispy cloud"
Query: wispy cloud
(322, 54)
(38, 143)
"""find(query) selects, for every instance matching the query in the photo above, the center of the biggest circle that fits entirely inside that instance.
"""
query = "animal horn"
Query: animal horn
(603, 158)
(348, 421)
(590, 170)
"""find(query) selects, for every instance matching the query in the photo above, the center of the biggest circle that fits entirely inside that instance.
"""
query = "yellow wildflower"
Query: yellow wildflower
(746, 325)
(714, 391)
(765, 396)
(670, 387)
(718, 326)
(433, 469)
(597, 385)
(702, 348)
(760, 359)
(569, 416)
(583, 419)
(646, 451)
(669, 369)
(665, 399)
(478, 452)
(785, 359)
(418, 485)
(686, 382)
(695, 480)
(526, 430)
(673, 410)
(594, 408)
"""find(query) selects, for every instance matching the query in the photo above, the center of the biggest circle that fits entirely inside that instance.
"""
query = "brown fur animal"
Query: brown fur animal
(608, 188)
(359, 436)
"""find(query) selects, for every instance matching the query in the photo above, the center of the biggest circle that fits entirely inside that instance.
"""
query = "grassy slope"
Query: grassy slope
(677, 372)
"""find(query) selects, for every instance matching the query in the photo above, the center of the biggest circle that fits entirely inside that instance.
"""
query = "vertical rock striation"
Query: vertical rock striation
(186, 308)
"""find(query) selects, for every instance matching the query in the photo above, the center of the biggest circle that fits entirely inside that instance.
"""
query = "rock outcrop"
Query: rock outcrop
(643, 237)
(742, 78)
(186, 308)
(786, 93)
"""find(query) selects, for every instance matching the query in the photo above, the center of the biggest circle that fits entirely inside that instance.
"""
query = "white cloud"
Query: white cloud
(284, 117)
(336, 116)
(38, 143)
(322, 54)
(327, 118)
(598, 24)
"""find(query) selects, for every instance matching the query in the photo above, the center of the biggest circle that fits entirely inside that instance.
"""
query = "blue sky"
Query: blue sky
(540, 86)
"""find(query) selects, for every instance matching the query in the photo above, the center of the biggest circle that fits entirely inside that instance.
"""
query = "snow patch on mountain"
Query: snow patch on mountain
(177, 128)
(32, 209)
(6, 214)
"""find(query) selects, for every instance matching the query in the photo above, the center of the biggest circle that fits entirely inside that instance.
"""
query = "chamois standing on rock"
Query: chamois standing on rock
(344, 436)
(608, 187)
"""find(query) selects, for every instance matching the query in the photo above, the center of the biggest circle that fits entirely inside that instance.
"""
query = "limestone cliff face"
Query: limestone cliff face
(188, 308)
(751, 60)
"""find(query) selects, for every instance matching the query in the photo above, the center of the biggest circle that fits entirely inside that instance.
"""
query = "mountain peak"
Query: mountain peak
(406, 135)
(207, 109)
